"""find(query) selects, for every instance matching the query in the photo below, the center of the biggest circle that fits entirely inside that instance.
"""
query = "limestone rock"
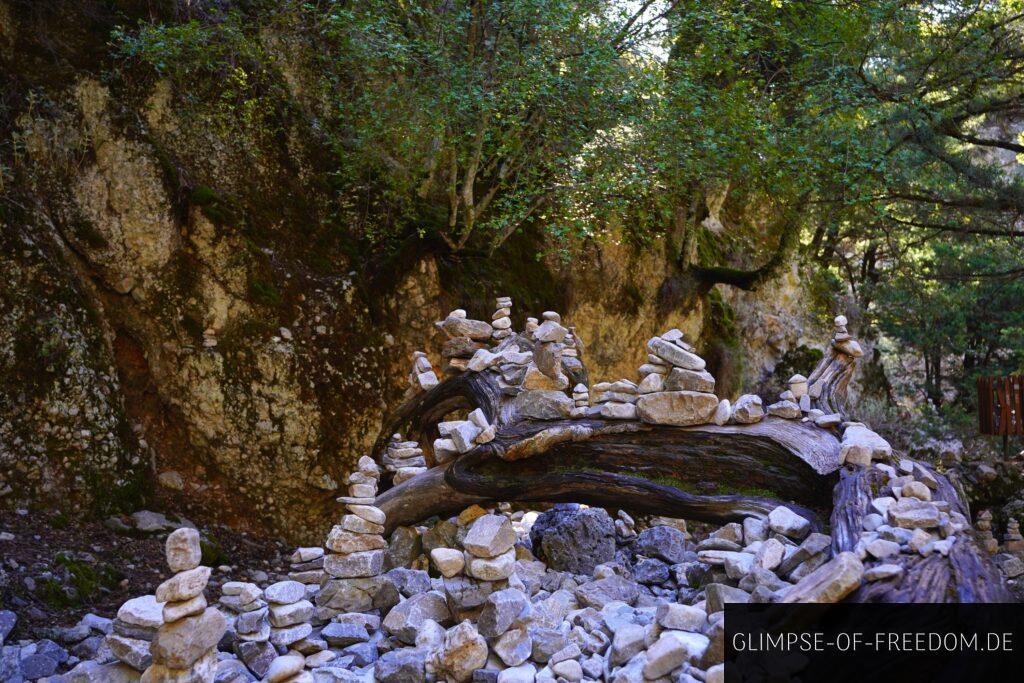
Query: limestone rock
(544, 405)
(184, 585)
(678, 408)
(830, 582)
(463, 652)
(404, 620)
(681, 379)
(490, 536)
(180, 644)
(784, 521)
(182, 549)
(747, 409)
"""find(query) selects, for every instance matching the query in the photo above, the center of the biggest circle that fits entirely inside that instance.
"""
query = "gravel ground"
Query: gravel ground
(56, 570)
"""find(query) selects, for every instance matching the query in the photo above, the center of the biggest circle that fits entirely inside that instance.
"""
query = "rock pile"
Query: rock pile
(860, 445)
(185, 645)
(464, 338)
(544, 383)
(581, 400)
(501, 320)
(356, 547)
(404, 459)
(1013, 542)
(460, 436)
(422, 377)
(289, 612)
(675, 389)
(986, 539)
(306, 565)
(133, 629)
(616, 400)
(907, 520)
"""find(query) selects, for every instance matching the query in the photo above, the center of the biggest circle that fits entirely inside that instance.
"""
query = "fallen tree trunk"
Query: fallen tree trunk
(707, 473)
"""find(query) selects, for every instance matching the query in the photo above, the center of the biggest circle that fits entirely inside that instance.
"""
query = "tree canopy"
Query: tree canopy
(875, 139)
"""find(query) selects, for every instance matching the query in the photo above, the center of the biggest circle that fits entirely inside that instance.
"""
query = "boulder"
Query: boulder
(574, 539)
(544, 405)
(678, 408)
(663, 542)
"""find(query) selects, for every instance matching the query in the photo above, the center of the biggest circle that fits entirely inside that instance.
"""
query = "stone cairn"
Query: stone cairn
(247, 612)
(461, 436)
(674, 389)
(581, 399)
(306, 565)
(356, 546)
(464, 338)
(422, 377)
(133, 629)
(404, 459)
(985, 537)
(501, 321)
(1013, 542)
(185, 646)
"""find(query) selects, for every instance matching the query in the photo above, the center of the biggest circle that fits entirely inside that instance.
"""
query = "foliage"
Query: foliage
(873, 136)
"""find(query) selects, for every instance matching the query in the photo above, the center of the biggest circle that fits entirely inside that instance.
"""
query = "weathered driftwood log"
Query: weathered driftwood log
(707, 472)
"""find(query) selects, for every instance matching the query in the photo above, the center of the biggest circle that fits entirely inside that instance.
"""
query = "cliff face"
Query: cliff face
(179, 299)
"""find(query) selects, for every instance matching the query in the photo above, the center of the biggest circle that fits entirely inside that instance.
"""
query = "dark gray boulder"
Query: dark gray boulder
(574, 539)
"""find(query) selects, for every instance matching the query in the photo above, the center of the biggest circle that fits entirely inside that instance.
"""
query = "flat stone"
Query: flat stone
(911, 513)
(678, 408)
(355, 565)
(882, 572)
(183, 585)
(830, 582)
(285, 592)
(284, 637)
(680, 617)
(524, 673)
(344, 634)
(370, 513)
(131, 651)
(291, 614)
(358, 525)
(174, 611)
(675, 355)
(491, 568)
(599, 593)
(619, 411)
(145, 612)
(341, 541)
(882, 549)
(182, 549)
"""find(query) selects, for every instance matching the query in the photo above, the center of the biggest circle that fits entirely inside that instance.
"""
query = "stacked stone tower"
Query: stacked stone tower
(185, 647)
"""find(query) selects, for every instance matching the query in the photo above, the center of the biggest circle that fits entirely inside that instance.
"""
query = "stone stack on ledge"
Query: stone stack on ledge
(461, 436)
(185, 646)
(404, 459)
(986, 539)
(422, 377)
(676, 389)
(465, 338)
(501, 321)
